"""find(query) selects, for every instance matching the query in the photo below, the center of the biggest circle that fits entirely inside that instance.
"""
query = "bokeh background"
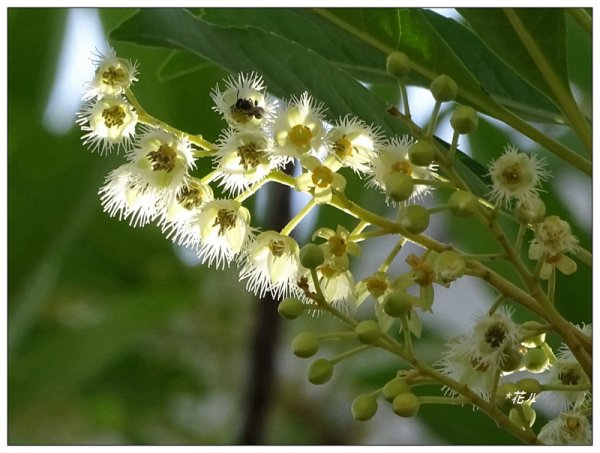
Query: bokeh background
(118, 337)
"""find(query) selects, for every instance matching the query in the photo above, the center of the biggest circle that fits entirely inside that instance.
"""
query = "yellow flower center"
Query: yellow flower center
(424, 275)
(322, 176)
(300, 135)
(337, 245)
(249, 155)
(343, 147)
(402, 166)
(225, 219)
(114, 76)
(190, 197)
(376, 286)
(277, 248)
(163, 158)
(114, 116)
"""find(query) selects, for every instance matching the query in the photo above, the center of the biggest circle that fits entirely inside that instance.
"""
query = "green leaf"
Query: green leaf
(545, 26)
(179, 64)
(286, 67)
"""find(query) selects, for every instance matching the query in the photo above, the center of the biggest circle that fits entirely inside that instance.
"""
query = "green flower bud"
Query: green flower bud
(368, 331)
(415, 218)
(406, 404)
(534, 341)
(305, 344)
(398, 65)
(464, 119)
(394, 388)
(503, 392)
(290, 308)
(463, 204)
(528, 412)
(530, 211)
(320, 371)
(443, 88)
(364, 407)
(421, 153)
(511, 360)
(396, 304)
(530, 386)
(536, 360)
(399, 186)
(449, 266)
(311, 256)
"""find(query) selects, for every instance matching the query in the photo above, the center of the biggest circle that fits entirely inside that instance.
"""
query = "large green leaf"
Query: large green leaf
(366, 62)
(545, 26)
(287, 67)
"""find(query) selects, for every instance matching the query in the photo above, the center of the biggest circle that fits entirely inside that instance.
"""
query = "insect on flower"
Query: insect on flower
(246, 107)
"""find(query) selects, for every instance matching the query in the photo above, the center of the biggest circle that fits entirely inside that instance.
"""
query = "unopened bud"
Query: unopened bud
(311, 256)
(463, 203)
(530, 386)
(536, 360)
(406, 404)
(530, 211)
(320, 371)
(511, 360)
(528, 413)
(398, 65)
(305, 344)
(364, 407)
(421, 153)
(449, 266)
(394, 388)
(414, 218)
(396, 304)
(443, 88)
(368, 331)
(399, 186)
(290, 308)
(464, 119)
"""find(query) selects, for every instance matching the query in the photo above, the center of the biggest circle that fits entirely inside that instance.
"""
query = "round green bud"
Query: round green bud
(396, 304)
(528, 413)
(364, 407)
(398, 65)
(406, 404)
(443, 88)
(448, 266)
(464, 119)
(290, 308)
(421, 153)
(368, 331)
(536, 360)
(511, 360)
(305, 344)
(529, 385)
(463, 204)
(414, 218)
(311, 256)
(399, 186)
(504, 394)
(394, 388)
(531, 211)
(320, 371)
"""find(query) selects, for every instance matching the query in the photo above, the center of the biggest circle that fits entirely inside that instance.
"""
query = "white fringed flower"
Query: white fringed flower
(176, 219)
(244, 103)
(393, 158)
(492, 335)
(299, 128)
(353, 143)
(517, 176)
(552, 240)
(243, 159)
(122, 195)
(271, 263)
(567, 371)
(224, 229)
(113, 75)
(569, 428)
(109, 121)
(458, 364)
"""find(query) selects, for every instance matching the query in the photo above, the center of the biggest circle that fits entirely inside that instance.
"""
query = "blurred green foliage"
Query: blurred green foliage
(114, 339)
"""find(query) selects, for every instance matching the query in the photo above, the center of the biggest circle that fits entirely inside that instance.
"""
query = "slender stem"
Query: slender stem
(404, 97)
(582, 18)
(388, 260)
(434, 116)
(320, 300)
(495, 387)
(452, 150)
(524, 420)
(436, 209)
(298, 217)
(209, 177)
(548, 351)
(560, 90)
(483, 256)
(369, 235)
(344, 355)
(145, 118)
(444, 400)
(358, 228)
(336, 335)
(552, 286)
(250, 191)
(282, 178)
(496, 304)
(566, 388)
(406, 332)
(583, 255)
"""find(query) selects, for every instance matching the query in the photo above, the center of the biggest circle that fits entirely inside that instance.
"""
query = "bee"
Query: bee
(247, 108)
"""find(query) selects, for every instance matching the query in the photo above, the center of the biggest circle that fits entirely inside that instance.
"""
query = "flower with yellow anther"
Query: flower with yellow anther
(319, 179)
(553, 238)
(338, 245)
